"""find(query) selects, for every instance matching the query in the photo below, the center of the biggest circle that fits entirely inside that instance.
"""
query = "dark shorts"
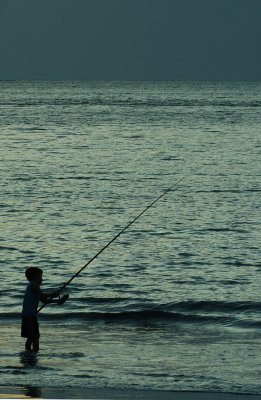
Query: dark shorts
(30, 328)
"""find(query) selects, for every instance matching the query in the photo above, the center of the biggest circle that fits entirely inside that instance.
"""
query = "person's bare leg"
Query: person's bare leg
(28, 344)
(36, 344)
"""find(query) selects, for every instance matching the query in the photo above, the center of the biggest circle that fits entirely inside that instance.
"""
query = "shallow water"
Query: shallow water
(172, 304)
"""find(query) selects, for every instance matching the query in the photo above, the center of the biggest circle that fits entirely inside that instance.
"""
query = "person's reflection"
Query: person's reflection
(28, 359)
(33, 392)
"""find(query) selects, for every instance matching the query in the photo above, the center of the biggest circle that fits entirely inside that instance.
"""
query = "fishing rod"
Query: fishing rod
(116, 237)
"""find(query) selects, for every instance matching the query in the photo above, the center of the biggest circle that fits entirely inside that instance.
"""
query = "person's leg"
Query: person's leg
(36, 334)
(36, 344)
(28, 344)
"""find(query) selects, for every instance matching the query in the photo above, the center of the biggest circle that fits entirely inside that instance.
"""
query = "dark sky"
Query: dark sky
(131, 39)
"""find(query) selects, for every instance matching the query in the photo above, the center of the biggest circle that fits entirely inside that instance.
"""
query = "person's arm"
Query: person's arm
(44, 297)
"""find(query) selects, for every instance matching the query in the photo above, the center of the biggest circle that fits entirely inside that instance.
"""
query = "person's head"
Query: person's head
(34, 274)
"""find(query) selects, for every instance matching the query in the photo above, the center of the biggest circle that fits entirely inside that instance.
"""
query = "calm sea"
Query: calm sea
(174, 303)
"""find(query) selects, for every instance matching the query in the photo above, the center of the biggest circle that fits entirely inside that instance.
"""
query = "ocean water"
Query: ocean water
(174, 303)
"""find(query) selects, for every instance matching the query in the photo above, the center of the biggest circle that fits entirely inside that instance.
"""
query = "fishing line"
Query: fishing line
(116, 237)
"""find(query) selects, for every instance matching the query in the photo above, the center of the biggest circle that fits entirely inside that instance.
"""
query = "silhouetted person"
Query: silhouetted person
(33, 294)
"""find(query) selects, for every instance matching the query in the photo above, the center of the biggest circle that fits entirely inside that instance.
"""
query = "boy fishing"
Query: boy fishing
(34, 294)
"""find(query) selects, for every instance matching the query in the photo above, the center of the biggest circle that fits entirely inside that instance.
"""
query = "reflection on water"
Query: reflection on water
(33, 392)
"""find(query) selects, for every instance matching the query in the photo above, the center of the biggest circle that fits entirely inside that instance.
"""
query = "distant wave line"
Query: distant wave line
(133, 103)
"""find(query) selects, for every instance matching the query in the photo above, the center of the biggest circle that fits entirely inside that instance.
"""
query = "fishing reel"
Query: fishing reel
(62, 299)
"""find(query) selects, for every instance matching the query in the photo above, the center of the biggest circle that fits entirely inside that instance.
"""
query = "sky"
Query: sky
(131, 39)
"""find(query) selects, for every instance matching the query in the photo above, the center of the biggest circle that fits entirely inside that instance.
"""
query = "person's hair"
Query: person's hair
(31, 273)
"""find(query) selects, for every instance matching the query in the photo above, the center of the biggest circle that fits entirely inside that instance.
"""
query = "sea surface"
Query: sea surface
(175, 302)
